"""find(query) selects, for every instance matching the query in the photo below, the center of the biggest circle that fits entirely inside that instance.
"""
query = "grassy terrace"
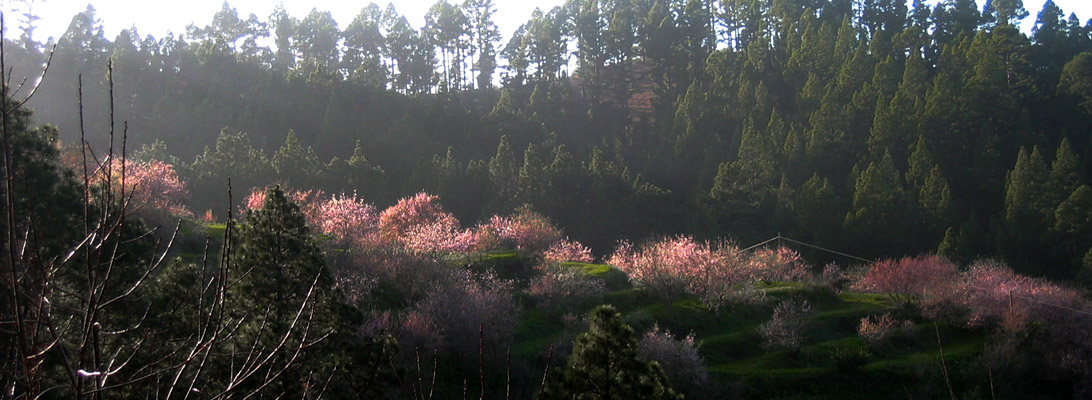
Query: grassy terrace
(833, 362)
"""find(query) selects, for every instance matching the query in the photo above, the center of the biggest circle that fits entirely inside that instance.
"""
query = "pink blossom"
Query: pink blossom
(672, 267)
(679, 357)
(153, 188)
(348, 219)
(786, 328)
(911, 279)
(255, 200)
(987, 294)
(307, 200)
(559, 285)
(566, 251)
(440, 236)
(832, 276)
(411, 276)
(995, 295)
(525, 230)
(464, 303)
(420, 224)
(421, 209)
(780, 264)
(875, 330)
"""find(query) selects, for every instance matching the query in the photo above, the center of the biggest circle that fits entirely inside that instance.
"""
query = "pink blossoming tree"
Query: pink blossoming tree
(469, 308)
(152, 188)
(567, 250)
(679, 357)
(525, 230)
(997, 296)
(440, 236)
(348, 219)
(396, 222)
(910, 279)
(563, 286)
(777, 264)
(672, 267)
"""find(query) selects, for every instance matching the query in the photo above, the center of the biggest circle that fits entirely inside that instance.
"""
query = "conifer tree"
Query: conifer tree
(485, 36)
(234, 156)
(817, 207)
(756, 165)
(877, 217)
(502, 170)
(284, 294)
(1073, 218)
(1076, 80)
(1024, 192)
(949, 246)
(920, 164)
(530, 181)
(1085, 273)
(1071, 234)
(935, 198)
(1065, 173)
(295, 163)
(1027, 215)
(604, 365)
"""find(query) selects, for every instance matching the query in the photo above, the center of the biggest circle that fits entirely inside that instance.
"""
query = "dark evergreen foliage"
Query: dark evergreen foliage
(604, 365)
(726, 111)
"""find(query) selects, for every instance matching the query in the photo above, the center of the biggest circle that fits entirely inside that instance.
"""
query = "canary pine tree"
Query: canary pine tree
(605, 365)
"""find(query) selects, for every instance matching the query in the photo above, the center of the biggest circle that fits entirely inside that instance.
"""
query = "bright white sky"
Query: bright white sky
(157, 17)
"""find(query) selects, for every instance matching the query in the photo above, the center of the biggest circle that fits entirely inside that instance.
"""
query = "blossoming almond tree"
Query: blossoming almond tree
(719, 273)
(563, 286)
(786, 328)
(910, 279)
(679, 357)
(567, 250)
(987, 294)
(152, 189)
(348, 219)
(776, 264)
(672, 267)
(398, 220)
(440, 236)
(526, 230)
(994, 294)
(666, 268)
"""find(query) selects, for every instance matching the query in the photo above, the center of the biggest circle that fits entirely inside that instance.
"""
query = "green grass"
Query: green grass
(832, 362)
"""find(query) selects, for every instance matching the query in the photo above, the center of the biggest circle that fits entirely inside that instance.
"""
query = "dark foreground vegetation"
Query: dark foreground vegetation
(225, 257)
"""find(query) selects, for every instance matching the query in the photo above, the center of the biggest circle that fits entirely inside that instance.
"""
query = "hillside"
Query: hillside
(279, 207)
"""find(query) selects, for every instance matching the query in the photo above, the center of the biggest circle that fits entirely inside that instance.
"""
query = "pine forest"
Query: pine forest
(621, 199)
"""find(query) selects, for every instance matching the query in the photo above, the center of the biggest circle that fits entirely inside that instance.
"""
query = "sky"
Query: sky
(157, 17)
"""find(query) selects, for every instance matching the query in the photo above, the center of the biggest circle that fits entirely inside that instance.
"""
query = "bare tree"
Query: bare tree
(72, 319)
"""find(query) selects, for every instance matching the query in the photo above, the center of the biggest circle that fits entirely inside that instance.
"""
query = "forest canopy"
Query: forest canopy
(878, 127)
(370, 199)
